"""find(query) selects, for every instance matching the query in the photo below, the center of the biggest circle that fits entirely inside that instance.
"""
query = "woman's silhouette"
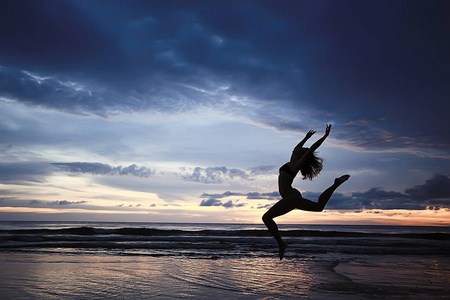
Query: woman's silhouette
(305, 161)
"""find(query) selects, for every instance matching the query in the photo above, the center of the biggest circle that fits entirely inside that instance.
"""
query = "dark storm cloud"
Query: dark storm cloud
(104, 169)
(78, 97)
(381, 68)
(438, 187)
(47, 91)
(63, 55)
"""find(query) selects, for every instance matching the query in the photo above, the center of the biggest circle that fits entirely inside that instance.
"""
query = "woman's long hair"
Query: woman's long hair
(312, 167)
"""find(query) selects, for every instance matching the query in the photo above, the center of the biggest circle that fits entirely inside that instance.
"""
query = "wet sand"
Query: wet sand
(44, 276)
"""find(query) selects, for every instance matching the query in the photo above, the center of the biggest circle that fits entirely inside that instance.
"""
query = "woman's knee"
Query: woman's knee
(266, 217)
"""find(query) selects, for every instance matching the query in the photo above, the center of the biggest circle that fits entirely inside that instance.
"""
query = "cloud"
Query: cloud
(264, 196)
(433, 194)
(104, 169)
(255, 59)
(65, 202)
(126, 79)
(47, 91)
(23, 202)
(211, 202)
(223, 195)
(437, 188)
(215, 199)
(19, 202)
(217, 202)
(265, 206)
(263, 170)
(24, 172)
(214, 175)
(250, 195)
(231, 204)
(376, 198)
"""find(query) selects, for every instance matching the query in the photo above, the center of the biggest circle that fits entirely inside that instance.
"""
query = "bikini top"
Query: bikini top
(288, 170)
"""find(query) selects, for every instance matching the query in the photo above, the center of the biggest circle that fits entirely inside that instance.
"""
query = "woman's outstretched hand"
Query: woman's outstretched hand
(327, 130)
(310, 133)
(321, 140)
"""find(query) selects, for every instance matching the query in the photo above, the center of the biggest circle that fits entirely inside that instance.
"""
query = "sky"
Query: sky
(183, 111)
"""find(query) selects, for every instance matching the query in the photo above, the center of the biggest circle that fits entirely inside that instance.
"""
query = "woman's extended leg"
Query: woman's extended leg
(308, 205)
(280, 208)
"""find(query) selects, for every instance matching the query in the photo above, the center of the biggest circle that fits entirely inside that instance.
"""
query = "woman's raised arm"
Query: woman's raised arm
(302, 142)
(321, 140)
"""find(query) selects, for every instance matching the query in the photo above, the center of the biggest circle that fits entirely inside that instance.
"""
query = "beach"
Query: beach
(222, 261)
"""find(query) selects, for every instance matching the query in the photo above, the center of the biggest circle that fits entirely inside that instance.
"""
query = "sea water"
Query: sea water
(95, 260)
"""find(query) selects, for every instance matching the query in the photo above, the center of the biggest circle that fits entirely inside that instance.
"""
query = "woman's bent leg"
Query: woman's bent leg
(280, 208)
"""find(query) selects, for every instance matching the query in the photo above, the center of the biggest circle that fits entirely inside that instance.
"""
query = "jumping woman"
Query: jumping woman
(306, 161)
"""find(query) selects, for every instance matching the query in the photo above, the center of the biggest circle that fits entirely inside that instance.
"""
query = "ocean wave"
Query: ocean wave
(218, 243)
(148, 232)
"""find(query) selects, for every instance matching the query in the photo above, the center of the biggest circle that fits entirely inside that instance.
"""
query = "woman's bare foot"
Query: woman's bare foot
(282, 247)
(341, 180)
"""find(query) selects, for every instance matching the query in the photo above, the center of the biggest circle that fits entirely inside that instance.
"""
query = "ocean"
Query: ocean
(98, 260)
